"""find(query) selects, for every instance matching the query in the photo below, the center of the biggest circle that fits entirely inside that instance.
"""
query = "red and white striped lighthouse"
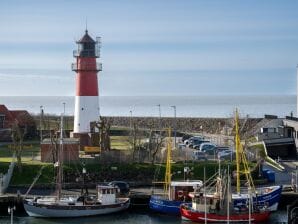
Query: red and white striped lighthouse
(86, 68)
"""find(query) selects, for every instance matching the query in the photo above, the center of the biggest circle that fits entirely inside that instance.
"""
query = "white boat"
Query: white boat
(104, 202)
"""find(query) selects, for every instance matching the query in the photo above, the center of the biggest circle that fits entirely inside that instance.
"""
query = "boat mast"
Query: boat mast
(237, 143)
(241, 158)
(168, 164)
(60, 161)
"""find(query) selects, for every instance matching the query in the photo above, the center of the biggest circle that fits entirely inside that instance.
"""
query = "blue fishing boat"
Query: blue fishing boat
(178, 193)
(267, 196)
(175, 192)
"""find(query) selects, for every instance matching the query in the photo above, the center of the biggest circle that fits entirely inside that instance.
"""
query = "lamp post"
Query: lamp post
(175, 132)
(10, 211)
(159, 113)
(40, 122)
(84, 174)
(130, 120)
(64, 107)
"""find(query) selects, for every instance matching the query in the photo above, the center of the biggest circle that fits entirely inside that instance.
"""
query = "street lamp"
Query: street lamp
(84, 171)
(64, 108)
(175, 132)
(159, 110)
(10, 211)
(40, 122)
(130, 120)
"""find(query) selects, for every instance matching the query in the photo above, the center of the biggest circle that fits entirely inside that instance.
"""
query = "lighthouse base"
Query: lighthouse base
(86, 111)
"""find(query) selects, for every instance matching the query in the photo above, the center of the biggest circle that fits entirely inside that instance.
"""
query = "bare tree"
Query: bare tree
(17, 134)
(156, 141)
(104, 128)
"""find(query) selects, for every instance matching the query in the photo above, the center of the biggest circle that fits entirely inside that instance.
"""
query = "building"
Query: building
(21, 117)
(86, 99)
(280, 137)
(49, 150)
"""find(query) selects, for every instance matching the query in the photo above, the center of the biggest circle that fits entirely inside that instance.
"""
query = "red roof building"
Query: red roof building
(9, 117)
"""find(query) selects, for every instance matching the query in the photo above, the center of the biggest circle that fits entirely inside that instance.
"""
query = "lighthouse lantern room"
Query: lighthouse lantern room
(86, 68)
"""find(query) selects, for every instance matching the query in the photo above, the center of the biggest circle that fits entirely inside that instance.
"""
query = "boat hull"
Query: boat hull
(270, 199)
(67, 211)
(196, 216)
(162, 205)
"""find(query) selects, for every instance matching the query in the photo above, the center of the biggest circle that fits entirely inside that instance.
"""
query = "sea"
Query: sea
(128, 217)
(186, 106)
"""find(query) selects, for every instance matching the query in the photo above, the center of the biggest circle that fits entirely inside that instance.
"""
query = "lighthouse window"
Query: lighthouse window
(80, 47)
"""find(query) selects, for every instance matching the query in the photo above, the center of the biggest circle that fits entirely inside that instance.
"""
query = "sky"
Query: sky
(152, 48)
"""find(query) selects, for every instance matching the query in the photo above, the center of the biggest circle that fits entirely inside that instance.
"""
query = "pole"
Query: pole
(60, 159)
(175, 125)
(64, 108)
(228, 205)
(205, 203)
(296, 179)
(64, 111)
(159, 110)
(249, 205)
(130, 120)
(10, 211)
(297, 91)
(11, 215)
(40, 123)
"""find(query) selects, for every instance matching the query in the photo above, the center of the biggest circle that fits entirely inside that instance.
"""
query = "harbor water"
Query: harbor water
(129, 217)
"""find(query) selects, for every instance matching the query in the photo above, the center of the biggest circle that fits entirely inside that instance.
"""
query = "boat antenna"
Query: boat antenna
(86, 24)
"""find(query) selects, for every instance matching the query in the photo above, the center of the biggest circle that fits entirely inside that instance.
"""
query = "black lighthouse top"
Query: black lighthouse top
(87, 47)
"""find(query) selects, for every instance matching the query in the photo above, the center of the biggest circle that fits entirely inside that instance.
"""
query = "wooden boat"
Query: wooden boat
(77, 206)
(104, 202)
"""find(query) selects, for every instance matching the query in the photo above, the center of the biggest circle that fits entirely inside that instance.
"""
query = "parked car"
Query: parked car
(206, 145)
(211, 151)
(222, 148)
(198, 155)
(197, 144)
(122, 185)
(186, 137)
(194, 138)
(226, 155)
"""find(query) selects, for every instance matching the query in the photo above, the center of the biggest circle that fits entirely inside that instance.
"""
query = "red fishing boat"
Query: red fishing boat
(218, 206)
(188, 213)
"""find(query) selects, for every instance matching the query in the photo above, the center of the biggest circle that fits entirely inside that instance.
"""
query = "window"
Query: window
(2, 119)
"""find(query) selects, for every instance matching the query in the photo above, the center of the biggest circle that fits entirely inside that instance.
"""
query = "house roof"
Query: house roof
(22, 116)
(6, 112)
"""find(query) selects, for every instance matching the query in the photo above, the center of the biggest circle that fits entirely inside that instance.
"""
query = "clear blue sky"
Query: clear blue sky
(152, 47)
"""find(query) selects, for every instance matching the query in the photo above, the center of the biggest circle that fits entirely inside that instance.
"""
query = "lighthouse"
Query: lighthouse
(86, 68)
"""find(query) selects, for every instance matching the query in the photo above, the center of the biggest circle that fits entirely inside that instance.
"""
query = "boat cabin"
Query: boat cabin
(179, 190)
(106, 194)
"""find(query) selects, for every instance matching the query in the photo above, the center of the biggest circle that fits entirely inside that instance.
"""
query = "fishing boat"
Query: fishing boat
(104, 202)
(265, 196)
(219, 207)
(175, 192)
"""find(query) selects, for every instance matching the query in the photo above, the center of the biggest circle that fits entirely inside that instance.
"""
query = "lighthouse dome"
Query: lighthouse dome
(87, 46)
(86, 38)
